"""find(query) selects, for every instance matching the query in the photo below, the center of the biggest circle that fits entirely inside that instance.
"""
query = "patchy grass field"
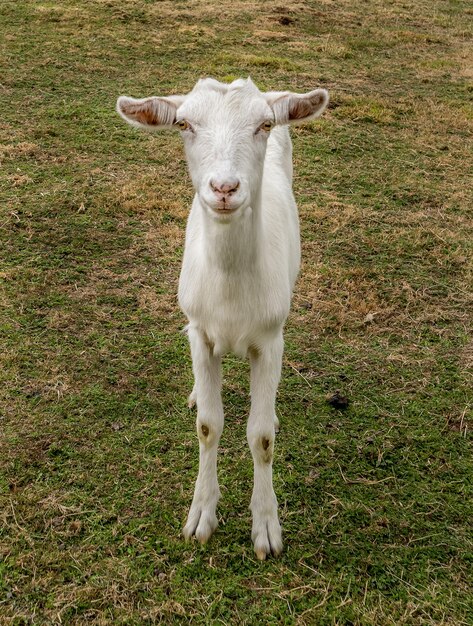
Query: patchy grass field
(97, 448)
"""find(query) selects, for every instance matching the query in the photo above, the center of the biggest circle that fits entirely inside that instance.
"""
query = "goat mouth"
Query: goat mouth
(224, 210)
(225, 214)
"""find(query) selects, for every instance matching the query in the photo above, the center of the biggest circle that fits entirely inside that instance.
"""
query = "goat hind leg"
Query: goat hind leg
(192, 399)
(202, 519)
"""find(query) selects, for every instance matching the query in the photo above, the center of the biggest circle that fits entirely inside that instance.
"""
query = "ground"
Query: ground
(98, 454)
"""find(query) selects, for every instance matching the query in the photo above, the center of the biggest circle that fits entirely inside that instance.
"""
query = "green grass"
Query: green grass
(98, 454)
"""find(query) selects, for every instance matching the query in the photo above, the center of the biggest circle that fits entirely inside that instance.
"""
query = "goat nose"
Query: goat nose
(225, 187)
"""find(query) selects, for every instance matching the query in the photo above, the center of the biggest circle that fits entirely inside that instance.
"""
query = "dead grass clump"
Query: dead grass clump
(197, 31)
(162, 240)
(338, 215)
(338, 299)
(249, 61)
(59, 319)
(18, 180)
(466, 359)
(154, 192)
(331, 47)
(161, 306)
(57, 13)
(102, 281)
(34, 449)
(433, 117)
(364, 109)
(262, 35)
(19, 150)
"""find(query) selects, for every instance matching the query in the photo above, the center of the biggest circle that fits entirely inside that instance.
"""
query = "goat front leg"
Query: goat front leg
(265, 375)
(202, 519)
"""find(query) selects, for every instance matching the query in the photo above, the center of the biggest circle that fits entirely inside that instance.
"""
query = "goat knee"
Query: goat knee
(208, 432)
(262, 446)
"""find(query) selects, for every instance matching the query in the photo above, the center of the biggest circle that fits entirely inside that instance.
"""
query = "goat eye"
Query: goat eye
(183, 125)
(267, 126)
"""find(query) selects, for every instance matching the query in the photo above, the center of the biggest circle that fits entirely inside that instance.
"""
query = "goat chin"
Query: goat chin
(241, 260)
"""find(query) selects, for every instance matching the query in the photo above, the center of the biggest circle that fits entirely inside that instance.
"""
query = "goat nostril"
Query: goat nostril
(225, 188)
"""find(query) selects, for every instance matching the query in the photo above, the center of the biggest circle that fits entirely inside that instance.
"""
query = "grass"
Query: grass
(97, 448)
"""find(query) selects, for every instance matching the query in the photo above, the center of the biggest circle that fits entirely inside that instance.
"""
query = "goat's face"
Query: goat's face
(225, 129)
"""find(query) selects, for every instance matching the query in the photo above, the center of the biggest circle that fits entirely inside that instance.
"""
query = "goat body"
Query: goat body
(241, 260)
(237, 276)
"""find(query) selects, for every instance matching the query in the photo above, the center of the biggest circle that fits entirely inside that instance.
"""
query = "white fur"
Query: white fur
(240, 263)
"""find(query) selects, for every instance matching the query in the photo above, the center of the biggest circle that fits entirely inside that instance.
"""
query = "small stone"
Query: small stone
(338, 401)
(285, 20)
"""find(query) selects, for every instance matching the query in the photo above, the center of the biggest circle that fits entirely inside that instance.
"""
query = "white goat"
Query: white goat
(241, 260)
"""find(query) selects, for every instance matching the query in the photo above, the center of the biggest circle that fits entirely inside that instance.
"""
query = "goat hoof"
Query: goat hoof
(200, 524)
(261, 554)
(267, 539)
(276, 424)
(191, 400)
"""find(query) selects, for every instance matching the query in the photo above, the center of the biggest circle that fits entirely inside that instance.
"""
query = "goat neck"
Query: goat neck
(233, 244)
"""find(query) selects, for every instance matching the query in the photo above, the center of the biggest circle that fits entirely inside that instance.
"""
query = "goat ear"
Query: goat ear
(295, 108)
(151, 112)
